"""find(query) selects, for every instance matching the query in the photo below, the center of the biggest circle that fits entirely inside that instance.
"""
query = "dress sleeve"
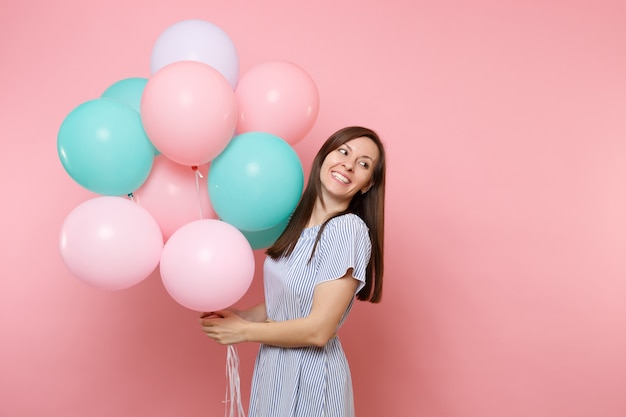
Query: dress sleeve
(344, 244)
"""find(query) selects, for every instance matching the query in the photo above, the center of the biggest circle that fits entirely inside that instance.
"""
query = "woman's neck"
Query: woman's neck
(322, 212)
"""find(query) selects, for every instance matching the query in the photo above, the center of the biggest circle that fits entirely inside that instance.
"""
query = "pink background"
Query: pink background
(505, 123)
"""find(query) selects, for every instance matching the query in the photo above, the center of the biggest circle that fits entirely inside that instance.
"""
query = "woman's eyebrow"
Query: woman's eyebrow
(362, 156)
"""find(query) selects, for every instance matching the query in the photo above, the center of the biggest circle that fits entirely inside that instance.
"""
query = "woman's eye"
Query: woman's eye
(364, 164)
(343, 151)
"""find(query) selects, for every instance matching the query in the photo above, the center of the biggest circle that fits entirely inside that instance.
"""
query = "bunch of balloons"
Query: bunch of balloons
(194, 168)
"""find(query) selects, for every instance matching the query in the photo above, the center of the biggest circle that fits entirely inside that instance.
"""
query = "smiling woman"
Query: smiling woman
(505, 206)
(330, 253)
(347, 171)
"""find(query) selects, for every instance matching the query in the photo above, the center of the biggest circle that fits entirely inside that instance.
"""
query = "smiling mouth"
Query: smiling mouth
(340, 177)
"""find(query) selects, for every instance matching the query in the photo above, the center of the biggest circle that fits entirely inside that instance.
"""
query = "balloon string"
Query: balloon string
(198, 176)
(233, 392)
(131, 196)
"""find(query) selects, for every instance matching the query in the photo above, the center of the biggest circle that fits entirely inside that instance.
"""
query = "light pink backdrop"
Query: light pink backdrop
(505, 123)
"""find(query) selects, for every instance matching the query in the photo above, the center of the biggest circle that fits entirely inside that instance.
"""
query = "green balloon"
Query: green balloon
(103, 147)
(127, 91)
(256, 182)
(265, 238)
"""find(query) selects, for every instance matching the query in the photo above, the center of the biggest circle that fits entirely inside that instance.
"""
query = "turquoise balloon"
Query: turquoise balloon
(256, 182)
(129, 91)
(265, 238)
(103, 147)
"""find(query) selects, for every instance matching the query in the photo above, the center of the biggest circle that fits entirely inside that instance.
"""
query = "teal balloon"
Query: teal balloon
(256, 182)
(103, 147)
(128, 91)
(265, 238)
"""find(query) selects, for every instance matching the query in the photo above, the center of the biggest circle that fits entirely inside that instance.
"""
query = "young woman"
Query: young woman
(330, 253)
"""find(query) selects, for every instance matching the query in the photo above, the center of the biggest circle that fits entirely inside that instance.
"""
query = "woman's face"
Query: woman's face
(348, 170)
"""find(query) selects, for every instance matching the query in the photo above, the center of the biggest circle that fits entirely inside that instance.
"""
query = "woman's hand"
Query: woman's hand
(225, 327)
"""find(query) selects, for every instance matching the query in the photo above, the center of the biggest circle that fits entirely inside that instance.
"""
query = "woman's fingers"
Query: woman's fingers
(210, 315)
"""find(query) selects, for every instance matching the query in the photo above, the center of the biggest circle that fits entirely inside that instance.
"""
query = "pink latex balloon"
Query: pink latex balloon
(110, 243)
(175, 195)
(207, 265)
(189, 112)
(277, 97)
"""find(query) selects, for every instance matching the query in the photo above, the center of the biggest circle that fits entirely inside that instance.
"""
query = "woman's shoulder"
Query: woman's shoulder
(344, 229)
(348, 220)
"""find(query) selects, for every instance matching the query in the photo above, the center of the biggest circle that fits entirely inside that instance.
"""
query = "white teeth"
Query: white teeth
(340, 177)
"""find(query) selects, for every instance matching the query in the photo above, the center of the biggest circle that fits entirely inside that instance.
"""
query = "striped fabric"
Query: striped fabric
(308, 381)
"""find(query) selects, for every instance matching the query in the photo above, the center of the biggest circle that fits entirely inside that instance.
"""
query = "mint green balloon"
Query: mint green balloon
(103, 147)
(265, 238)
(256, 182)
(129, 91)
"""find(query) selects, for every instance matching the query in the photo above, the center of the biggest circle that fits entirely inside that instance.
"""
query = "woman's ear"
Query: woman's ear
(367, 187)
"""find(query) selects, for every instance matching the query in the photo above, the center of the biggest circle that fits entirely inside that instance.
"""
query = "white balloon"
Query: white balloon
(197, 40)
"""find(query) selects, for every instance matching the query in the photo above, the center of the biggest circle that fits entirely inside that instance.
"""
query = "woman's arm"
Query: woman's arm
(256, 313)
(330, 301)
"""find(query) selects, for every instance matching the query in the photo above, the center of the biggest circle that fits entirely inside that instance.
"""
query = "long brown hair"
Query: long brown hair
(369, 206)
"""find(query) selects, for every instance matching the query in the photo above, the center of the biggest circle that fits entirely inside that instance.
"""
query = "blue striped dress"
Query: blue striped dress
(308, 381)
